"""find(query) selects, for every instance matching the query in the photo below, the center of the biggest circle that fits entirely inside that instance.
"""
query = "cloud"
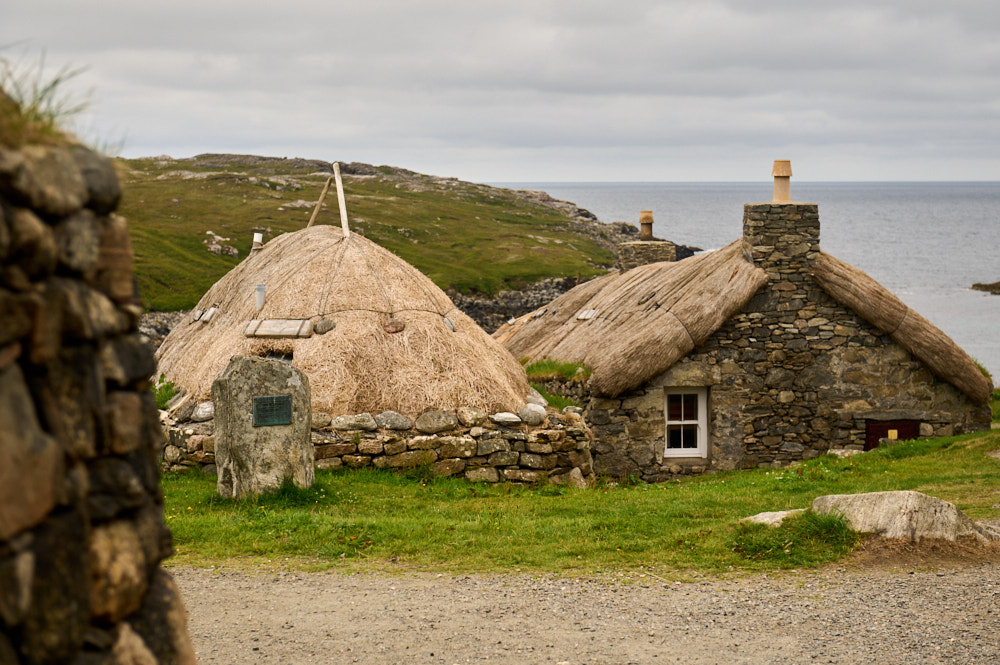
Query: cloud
(527, 89)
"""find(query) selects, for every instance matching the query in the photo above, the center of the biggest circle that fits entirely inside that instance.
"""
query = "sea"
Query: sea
(927, 242)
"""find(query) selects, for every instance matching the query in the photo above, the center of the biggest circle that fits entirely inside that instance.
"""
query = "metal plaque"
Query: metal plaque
(272, 410)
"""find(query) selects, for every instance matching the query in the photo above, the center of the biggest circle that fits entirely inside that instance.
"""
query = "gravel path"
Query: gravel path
(942, 613)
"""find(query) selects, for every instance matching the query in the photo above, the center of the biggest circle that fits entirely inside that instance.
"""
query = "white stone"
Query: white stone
(532, 414)
(773, 518)
(204, 411)
(535, 397)
(505, 418)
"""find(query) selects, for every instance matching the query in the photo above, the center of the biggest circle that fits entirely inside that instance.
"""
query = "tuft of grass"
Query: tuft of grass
(802, 541)
(163, 391)
(555, 401)
(34, 107)
(985, 372)
(544, 370)
(376, 520)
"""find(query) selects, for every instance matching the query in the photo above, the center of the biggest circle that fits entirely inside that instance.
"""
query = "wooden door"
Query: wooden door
(879, 429)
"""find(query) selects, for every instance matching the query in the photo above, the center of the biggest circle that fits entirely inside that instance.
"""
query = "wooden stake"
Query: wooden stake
(340, 199)
(319, 203)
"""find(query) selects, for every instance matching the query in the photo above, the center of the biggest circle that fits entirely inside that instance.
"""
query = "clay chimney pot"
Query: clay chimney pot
(646, 225)
(782, 173)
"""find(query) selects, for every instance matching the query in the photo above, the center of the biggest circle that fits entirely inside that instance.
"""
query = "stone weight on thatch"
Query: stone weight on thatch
(262, 427)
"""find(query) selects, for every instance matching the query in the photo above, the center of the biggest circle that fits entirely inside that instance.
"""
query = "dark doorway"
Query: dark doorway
(879, 429)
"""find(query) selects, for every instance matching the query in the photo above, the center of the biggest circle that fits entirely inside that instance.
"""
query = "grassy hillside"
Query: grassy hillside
(464, 236)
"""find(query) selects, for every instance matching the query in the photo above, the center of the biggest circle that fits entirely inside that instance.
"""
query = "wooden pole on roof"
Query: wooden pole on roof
(319, 203)
(340, 199)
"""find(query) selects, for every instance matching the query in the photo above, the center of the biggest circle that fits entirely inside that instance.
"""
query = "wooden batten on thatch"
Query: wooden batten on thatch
(397, 342)
(644, 320)
(854, 288)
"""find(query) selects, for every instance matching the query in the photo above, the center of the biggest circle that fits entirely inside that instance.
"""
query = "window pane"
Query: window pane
(690, 436)
(675, 407)
(690, 407)
(674, 437)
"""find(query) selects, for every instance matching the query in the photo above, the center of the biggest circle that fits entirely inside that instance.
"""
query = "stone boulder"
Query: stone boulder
(259, 442)
(903, 514)
(532, 414)
(393, 420)
(358, 421)
(433, 422)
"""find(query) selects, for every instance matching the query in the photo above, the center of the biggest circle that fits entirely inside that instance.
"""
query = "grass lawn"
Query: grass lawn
(369, 520)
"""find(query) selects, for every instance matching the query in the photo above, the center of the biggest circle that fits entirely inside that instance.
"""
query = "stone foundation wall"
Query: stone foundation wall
(792, 376)
(81, 520)
(481, 448)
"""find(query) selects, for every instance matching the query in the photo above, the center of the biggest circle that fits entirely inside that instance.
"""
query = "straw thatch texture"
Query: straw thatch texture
(646, 319)
(357, 367)
(856, 289)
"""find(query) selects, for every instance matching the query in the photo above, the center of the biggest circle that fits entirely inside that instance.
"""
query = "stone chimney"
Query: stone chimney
(647, 249)
(782, 236)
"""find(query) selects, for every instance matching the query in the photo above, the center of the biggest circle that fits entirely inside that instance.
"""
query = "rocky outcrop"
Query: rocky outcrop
(491, 312)
(81, 518)
(993, 288)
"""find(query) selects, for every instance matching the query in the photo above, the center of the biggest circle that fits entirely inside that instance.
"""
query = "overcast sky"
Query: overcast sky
(539, 90)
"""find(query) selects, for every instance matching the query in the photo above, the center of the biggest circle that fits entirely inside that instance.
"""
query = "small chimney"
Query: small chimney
(781, 236)
(782, 173)
(261, 296)
(646, 225)
(258, 242)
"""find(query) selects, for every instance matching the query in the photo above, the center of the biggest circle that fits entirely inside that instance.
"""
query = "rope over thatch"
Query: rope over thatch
(646, 319)
(439, 360)
(854, 288)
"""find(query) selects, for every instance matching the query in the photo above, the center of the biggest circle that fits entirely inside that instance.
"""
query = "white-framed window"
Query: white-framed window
(686, 410)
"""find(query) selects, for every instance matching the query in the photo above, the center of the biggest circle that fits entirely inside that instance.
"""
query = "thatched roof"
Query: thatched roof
(630, 327)
(316, 274)
(856, 289)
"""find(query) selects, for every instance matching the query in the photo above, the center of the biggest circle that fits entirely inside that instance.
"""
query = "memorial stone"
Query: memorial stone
(262, 427)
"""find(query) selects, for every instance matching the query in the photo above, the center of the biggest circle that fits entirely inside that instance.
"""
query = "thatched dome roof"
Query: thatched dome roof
(631, 327)
(439, 360)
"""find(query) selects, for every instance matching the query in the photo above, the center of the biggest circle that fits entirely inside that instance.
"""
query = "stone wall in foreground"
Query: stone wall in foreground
(501, 447)
(81, 521)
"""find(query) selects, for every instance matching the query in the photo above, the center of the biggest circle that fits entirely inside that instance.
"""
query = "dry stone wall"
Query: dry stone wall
(792, 376)
(81, 521)
(500, 447)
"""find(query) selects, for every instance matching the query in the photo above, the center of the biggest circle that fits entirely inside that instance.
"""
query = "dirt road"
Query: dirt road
(940, 613)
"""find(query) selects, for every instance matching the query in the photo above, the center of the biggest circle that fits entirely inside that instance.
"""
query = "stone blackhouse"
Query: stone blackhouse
(762, 353)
